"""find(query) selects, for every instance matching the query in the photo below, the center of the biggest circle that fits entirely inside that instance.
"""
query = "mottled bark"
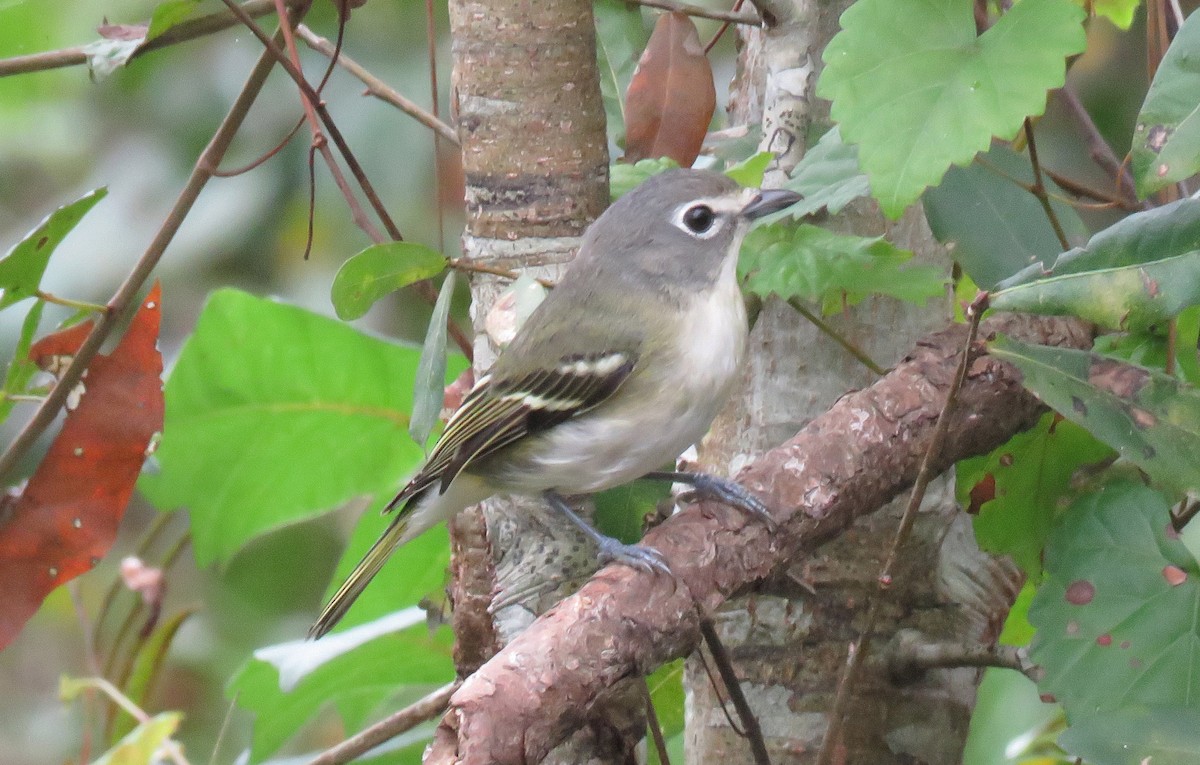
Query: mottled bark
(846, 463)
(535, 160)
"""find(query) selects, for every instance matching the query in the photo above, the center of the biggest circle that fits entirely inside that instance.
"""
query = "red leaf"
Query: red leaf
(671, 97)
(67, 516)
(53, 352)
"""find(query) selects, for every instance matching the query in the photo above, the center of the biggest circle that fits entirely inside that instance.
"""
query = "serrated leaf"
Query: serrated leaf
(276, 414)
(1151, 419)
(1015, 493)
(380, 270)
(1115, 615)
(838, 270)
(1166, 141)
(828, 176)
(1138, 272)
(22, 267)
(620, 39)
(671, 97)
(996, 227)
(1139, 735)
(624, 178)
(431, 369)
(21, 370)
(917, 90)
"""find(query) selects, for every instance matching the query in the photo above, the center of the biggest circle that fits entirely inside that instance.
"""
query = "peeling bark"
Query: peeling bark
(844, 464)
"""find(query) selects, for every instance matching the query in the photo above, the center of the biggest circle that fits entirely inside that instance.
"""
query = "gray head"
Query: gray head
(679, 226)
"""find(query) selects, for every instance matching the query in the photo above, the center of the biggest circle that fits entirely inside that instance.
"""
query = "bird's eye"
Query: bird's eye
(699, 219)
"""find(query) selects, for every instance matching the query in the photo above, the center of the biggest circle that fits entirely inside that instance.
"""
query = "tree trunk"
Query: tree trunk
(535, 158)
(789, 639)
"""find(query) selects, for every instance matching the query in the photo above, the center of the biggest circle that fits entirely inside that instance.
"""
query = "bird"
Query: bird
(622, 367)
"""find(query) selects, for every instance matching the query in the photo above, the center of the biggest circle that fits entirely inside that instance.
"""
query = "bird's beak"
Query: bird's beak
(768, 201)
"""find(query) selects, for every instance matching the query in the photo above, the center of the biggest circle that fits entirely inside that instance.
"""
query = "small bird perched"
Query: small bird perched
(622, 367)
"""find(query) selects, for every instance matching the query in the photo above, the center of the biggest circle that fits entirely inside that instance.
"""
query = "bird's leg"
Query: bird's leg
(711, 487)
(611, 550)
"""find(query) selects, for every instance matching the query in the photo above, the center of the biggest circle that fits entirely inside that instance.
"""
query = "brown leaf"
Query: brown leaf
(122, 31)
(671, 97)
(67, 516)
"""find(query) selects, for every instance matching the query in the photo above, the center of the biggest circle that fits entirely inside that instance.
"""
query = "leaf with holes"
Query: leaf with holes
(1134, 274)
(66, 518)
(1153, 420)
(380, 270)
(1115, 614)
(1166, 141)
(1015, 493)
(996, 227)
(811, 263)
(276, 414)
(22, 267)
(917, 90)
(671, 97)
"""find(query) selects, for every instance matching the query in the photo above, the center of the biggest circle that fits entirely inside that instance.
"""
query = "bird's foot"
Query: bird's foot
(711, 487)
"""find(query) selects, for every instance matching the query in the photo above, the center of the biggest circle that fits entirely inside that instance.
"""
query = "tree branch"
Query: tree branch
(732, 17)
(911, 654)
(845, 463)
(389, 727)
(125, 296)
(182, 32)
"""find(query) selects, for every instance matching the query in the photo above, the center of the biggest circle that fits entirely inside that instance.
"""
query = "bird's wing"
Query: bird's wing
(500, 410)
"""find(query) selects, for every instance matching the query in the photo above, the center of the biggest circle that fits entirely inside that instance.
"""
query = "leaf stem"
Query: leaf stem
(78, 305)
(833, 334)
(1039, 188)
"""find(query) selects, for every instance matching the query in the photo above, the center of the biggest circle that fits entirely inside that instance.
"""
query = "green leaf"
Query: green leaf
(666, 692)
(1151, 419)
(430, 385)
(996, 227)
(1015, 493)
(1166, 141)
(146, 667)
(1119, 12)
(1139, 735)
(1116, 613)
(141, 745)
(828, 176)
(21, 370)
(814, 264)
(1140, 271)
(404, 664)
(624, 178)
(749, 172)
(168, 14)
(621, 510)
(620, 39)
(380, 270)
(917, 90)
(275, 414)
(22, 267)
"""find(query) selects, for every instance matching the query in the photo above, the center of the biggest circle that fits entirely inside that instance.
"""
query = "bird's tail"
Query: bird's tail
(361, 576)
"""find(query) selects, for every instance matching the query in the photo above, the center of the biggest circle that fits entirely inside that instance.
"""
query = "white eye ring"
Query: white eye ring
(698, 220)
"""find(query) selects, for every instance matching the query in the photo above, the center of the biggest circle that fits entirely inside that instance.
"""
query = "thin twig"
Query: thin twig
(1039, 188)
(124, 298)
(910, 655)
(335, 134)
(833, 334)
(470, 266)
(431, 52)
(187, 30)
(264, 157)
(724, 28)
(389, 727)
(1083, 190)
(858, 651)
(1098, 148)
(753, 732)
(656, 734)
(1188, 509)
(733, 17)
(377, 87)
